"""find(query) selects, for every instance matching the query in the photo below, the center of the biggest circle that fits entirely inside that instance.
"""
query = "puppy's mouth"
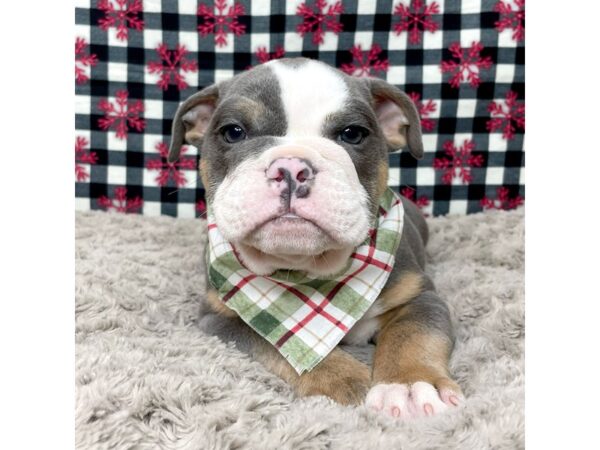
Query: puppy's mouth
(289, 215)
(290, 234)
(292, 222)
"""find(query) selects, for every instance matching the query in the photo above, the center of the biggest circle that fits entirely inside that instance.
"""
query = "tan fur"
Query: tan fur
(339, 376)
(408, 352)
(196, 122)
(397, 140)
(204, 172)
(409, 285)
(382, 178)
(217, 305)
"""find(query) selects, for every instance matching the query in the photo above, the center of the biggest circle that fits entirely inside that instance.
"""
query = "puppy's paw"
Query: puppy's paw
(345, 390)
(408, 401)
(389, 399)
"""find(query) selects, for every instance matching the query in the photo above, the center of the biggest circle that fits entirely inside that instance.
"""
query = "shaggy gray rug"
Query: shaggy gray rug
(146, 377)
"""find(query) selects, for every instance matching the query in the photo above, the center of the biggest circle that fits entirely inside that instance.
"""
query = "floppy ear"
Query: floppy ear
(191, 120)
(397, 116)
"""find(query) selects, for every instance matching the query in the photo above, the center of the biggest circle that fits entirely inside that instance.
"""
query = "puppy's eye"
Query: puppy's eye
(233, 133)
(353, 135)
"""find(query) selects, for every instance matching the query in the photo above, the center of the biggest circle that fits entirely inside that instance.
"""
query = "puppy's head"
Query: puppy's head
(294, 159)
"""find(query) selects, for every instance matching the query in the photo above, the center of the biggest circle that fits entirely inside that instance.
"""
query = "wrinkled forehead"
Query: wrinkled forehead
(301, 95)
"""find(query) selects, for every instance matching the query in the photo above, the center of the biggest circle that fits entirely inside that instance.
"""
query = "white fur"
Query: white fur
(337, 204)
(309, 93)
(365, 328)
(246, 202)
(361, 332)
(405, 401)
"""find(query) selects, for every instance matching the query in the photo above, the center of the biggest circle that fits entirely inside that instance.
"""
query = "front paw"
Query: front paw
(349, 389)
(408, 401)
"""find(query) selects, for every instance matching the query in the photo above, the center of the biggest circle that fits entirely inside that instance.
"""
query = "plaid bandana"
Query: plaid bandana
(302, 316)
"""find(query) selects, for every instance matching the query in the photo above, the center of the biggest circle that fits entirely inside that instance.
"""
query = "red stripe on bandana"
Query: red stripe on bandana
(367, 260)
(374, 262)
(238, 286)
(318, 309)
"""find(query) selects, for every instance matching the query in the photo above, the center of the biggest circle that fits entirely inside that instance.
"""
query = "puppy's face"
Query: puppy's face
(294, 158)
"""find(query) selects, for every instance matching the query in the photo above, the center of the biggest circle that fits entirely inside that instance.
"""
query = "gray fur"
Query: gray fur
(410, 256)
(431, 314)
(369, 154)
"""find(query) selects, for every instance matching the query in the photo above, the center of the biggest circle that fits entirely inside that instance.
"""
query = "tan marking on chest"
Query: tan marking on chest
(409, 285)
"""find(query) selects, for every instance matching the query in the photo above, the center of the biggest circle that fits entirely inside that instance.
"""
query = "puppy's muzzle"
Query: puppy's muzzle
(291, 177)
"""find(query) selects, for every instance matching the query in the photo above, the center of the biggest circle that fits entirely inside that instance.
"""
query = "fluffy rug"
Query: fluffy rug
(146, 377)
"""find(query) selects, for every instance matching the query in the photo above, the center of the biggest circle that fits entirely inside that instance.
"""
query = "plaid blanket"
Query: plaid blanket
(462, 62)
(302, 316)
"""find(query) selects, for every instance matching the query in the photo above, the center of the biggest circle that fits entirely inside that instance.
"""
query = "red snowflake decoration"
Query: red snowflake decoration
(318, 21)
(201, 208)
(168, 170)
(364, 62)
(509, 119)
(123, 17)
(458, 162)
(170, 64)
(83, 156)
(122, 116)
(416, 19)
(424, 110)
(502, 200)
(410, 193)
(511, 19)
(82, 61)
(219, 22)
(120, 202)
(264, 56)
(469, 64)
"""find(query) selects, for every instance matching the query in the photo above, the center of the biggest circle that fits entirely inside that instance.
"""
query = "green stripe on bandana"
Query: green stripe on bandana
(306, 317)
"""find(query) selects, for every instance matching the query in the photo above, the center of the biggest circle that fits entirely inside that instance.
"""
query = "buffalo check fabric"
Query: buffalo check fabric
(461, 61)
(302, 316)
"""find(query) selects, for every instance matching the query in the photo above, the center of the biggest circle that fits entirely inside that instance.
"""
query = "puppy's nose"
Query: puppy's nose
(296, 169)
(291, 176)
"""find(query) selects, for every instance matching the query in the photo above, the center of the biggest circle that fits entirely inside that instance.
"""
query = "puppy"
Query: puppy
(294, 160)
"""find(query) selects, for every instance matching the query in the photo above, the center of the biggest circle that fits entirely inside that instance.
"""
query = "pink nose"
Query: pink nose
(291, 177)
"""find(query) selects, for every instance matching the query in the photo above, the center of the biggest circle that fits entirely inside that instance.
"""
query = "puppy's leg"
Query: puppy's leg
(410, 366)
(339, 376)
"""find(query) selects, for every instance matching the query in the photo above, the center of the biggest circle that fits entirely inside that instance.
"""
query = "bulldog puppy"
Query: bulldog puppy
(294, 159)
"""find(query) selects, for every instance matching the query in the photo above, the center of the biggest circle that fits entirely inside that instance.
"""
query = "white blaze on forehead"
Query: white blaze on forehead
(309, 93)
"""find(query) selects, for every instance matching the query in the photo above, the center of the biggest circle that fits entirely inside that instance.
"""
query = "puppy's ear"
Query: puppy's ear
(397, 116)
(191, 120)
